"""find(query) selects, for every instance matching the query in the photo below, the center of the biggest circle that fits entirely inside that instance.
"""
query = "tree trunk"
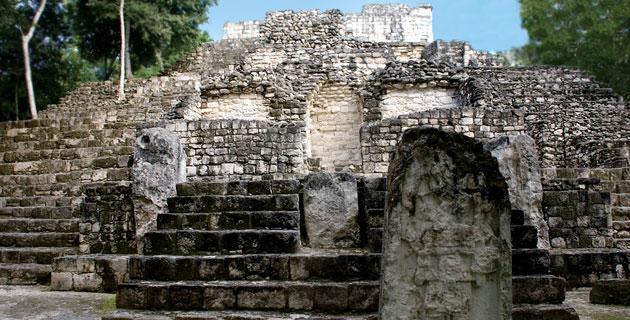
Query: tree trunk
(121, 89)
(17, 103)
(26, 38)
(128, 68)
(158, 58)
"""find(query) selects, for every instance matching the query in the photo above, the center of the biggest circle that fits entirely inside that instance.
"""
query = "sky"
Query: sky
(492, 25)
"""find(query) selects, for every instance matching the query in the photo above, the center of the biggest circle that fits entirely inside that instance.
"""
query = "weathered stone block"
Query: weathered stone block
(331, 210)
(444, 190)
(159, 164)
(615, 291)
(518, 162)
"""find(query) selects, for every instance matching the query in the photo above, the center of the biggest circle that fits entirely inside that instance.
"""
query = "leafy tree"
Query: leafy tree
(593, 35)
(56, 67)
(158, 31)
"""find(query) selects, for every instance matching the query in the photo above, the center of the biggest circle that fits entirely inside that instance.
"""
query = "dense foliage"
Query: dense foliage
(593, 35)
(56, 67)
(79, 40)
(159, 31)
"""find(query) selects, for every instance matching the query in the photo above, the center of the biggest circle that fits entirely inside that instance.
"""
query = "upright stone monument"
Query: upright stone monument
(159, 165)
(518, 162)
(446, 246)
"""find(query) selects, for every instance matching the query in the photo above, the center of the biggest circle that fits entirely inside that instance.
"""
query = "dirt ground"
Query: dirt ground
(35, 303)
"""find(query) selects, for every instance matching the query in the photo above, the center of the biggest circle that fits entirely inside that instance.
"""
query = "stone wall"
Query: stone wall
(107, 223)
(240, 149)
(241, 30)
(245, 106)
(390, 23)
(334, 123)
(612, 183)
(379, 138)
(577, 217)
(376, 22)
(398, 102)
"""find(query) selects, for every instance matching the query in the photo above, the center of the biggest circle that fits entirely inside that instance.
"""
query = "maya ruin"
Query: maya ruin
(326, 165)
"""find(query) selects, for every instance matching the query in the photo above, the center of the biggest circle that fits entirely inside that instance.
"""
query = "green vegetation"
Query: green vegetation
(109, 305)
(79, 40)
(593, 35)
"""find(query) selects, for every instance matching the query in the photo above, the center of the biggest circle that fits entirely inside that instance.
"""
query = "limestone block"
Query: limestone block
(446, 246)
(519, 164)
(331, 210)
(159, 164)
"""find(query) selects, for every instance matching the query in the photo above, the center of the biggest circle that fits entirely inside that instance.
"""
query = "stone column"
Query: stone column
(446, 246)
(159, 165)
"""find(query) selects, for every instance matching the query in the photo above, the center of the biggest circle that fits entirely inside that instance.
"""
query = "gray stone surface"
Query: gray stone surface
(38, 303)
(519, 164)
(588, 311)
(159, 164)
(331, 210)
(446, 250)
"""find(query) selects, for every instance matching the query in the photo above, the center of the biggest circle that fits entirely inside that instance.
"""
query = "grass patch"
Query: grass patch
(608, 317)
(109, 305)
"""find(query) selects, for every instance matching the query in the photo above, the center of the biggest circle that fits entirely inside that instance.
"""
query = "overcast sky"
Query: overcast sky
(487, 24)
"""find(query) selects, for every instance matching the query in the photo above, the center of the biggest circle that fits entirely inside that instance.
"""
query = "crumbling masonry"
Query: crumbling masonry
(249, 181)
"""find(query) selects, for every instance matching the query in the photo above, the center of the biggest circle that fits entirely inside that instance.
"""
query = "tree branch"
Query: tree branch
(38, 15)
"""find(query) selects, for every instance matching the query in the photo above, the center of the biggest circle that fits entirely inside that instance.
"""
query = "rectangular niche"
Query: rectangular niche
(244, 106)
(399, 102)
(335, 122)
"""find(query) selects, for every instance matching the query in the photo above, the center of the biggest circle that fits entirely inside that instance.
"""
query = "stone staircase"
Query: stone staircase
(617, 181)
(44, 165)
(535, 293)
(236, 247)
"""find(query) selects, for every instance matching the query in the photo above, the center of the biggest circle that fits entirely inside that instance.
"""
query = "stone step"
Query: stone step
(24, 274)
(611, 291)
(47, 239)
(67, 144)
(83, 176)
(543, 312)
(622, 243)
(66, 212)
(620, 199)
(126, 314)
(64, 166)
(616, 186)
(39, 225)
(72, 189)
(199, 188)
(66, 154)
(621, 229)
(375, 239)
(41, 255)
(189, 242)
(517, 218)
(234, 203)
(530, 261)
(288, 220)
(313, 267)
(524, 237)
(360, 296)
(20, 124)
(43, 134)
(375, 199)
(375, 218)
(620, 213)
(40, 201)
(538, 289)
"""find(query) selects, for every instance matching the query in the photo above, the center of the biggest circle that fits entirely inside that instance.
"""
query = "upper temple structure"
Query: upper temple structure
(249, 181)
